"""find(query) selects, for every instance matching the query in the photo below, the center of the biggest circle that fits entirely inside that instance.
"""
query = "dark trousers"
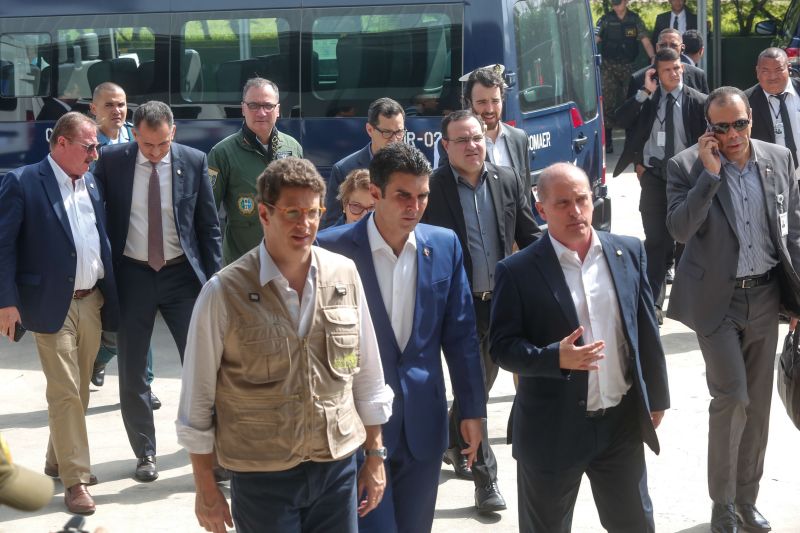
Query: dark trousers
(484, 468)
(410, 497)
(658, 243)
(108, 351)
(615, 468)
(142, 293)
(740, 363)
(309, 498)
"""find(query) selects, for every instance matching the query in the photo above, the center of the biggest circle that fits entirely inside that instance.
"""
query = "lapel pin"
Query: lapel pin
(341, 290)
(426, 252)
(619, 253)
(179, 172)
(91, 185)
(254, 297)
(495, 176)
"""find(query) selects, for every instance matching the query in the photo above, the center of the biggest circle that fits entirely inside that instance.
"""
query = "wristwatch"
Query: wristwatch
(377, 452)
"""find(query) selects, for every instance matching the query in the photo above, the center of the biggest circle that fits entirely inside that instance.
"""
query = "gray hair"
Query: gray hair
(260, 82)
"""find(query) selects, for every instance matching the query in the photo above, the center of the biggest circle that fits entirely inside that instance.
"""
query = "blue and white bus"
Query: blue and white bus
(330, 59)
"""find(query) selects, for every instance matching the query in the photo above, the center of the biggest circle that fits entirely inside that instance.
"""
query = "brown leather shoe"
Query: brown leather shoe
(78, 499)
(52, 471)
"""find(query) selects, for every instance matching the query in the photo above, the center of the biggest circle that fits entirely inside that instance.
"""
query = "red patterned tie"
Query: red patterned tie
(155, 235)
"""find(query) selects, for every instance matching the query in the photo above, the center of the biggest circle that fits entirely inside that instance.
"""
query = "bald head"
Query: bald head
(565, 203)
(110, 108)
(557, 172)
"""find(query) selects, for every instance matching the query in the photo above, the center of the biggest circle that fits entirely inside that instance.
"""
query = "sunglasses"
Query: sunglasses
(88, 147)
(293, 214)
(356, 208)
(721, 128)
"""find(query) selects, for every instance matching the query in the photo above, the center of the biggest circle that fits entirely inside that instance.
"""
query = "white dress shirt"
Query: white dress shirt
(498, 150)
(793, 107)
(136, 245)
(397, 279)
(681, 21)
(82, 222)
(373, 398)
(592, 290)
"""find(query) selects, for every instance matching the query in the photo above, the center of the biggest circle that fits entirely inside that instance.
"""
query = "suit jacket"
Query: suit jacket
(517, 142)
(193, 203)
(37, 252)
(693, 76)
(444, 321)
(637, 119)
(512, 209)
(763, 129)
(701, 214)
(532, 311)
(339, 172)
(663, 22)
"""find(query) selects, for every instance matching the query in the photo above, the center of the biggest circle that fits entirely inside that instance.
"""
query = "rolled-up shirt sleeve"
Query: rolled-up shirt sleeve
(373, 397)
(195, 426)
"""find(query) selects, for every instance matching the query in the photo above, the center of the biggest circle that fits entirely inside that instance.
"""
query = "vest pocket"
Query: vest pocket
(344, 428)
(266, 361)
(341, 337)
(256, 429)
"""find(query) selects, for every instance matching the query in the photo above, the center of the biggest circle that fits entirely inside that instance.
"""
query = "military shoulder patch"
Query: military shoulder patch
(246, 204)
(212, 175)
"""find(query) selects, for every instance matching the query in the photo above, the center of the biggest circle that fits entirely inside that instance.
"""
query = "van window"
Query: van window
(356, 55)
(21, 63)
(555, 55)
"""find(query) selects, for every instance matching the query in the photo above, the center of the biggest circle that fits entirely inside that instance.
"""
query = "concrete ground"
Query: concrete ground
(677, 477)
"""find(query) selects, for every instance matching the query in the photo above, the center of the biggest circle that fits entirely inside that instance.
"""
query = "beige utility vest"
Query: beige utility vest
(282, 399)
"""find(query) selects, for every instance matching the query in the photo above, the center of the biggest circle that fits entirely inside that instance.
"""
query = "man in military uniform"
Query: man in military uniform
(236, 161)
(618, 33)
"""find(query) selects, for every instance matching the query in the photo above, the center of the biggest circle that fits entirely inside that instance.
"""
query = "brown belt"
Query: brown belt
(80, 294)
(173, 261)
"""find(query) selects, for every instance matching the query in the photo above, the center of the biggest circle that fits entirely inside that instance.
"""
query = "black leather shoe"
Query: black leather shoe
(723, 518)
(750, 518)
(154, 401)
(659, 316)
(488, 499)
(99, 375)
(453, 456)
(146, 469)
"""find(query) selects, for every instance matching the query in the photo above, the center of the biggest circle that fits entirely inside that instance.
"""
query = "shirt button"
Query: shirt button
(71, 279)
(72, 254)
(581, 403)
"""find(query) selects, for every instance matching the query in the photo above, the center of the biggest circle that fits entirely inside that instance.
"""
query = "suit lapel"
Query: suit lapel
(53, 192)
(128, 170)
(512, 151)
(723, 196)
(621, 276)
(685, 113)
(178, 180)
(762, 110)
(450, 193)
(766, 171)
(424, 282)
(554, 276)
(496, 190)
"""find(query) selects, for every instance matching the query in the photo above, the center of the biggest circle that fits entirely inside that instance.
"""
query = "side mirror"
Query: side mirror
(767, 27)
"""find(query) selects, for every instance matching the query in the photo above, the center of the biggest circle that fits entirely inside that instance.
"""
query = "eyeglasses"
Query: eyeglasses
(88, 147)
(462, 141)
(674, 46)
(293, 214)
(356, 208)
(388, 134)
(721, 128)
(255, 106)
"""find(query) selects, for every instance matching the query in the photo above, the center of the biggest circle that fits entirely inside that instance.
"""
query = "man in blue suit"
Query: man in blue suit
(166, 243)
(57, 280)
(421, 305)
(573, 315)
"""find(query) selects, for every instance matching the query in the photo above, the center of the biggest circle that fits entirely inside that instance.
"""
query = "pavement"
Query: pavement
(676, 478)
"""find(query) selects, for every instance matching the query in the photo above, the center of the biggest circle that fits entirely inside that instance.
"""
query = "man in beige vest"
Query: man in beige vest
(282, 376)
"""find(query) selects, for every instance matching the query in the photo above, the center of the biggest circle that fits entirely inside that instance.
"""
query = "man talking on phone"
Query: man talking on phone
(734, 201)
(665, 116)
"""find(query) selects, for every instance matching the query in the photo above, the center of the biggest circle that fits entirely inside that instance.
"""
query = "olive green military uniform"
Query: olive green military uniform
(619, 46)
(234, 165)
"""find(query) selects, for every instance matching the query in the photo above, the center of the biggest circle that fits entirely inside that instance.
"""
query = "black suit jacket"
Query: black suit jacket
(663, 22)
(637, 119)
(512, 209)
(763, 129)
(532, 311)
(692, 76)
(193, 203)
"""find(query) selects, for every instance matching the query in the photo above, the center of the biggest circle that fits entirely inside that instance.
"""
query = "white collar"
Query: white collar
(377, 242)
(62, 177)
(562, 251)
(788, 89)
(269, 271)
(142, 160)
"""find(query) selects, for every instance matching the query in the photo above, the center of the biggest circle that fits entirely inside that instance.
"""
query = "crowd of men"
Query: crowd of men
(312, 370)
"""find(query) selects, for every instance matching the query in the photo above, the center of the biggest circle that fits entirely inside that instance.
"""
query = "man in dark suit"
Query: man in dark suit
(593, 379)
(505, 145)
(394, 254)
(488, 208)
(57, 280)
(734, 201)
(385, 124)
(679, 18)
(166, 243)
(775, 101)
(661, 120)
(692, 76)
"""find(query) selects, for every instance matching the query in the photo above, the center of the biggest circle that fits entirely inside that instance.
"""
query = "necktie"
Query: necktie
(788, 134)
(155, 235)
(674, 21)
(669, 129)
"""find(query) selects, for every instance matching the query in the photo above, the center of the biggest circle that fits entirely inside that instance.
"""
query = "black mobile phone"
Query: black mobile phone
(19, 331)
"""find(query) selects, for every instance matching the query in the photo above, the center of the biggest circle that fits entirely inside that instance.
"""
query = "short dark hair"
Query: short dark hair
(397, 157)
(383, 107)
(260, 82)
(68, 125)
(724, 95)
(457, 116)
(288, 172)
(693, 41)
(153, 113)
(665, 31)
(107, 86)
(487, 77)
(665, 55)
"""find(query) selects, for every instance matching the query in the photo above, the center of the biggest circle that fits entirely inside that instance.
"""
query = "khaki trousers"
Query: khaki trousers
(67, 358)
